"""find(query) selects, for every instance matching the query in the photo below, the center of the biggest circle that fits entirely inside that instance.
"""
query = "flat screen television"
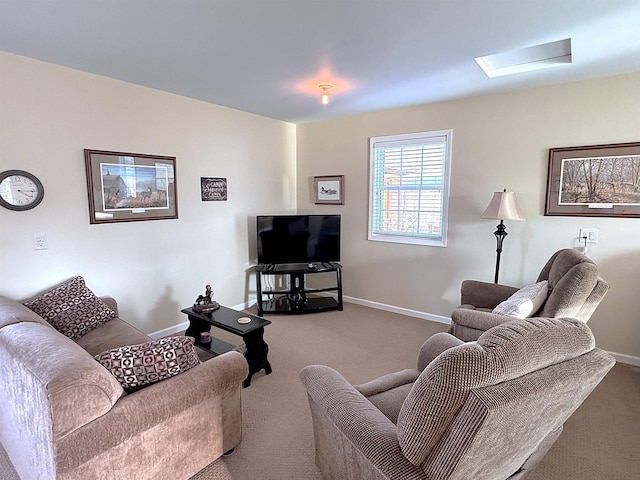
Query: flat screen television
(298, 238)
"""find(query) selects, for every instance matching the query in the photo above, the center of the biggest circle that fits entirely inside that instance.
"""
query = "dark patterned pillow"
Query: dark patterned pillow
(72, 308)
(136, 366)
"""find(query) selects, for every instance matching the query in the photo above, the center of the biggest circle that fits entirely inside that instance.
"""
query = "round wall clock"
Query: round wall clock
(20, 190)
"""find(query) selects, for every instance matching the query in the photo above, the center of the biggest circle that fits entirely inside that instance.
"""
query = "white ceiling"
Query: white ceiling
(268, 56)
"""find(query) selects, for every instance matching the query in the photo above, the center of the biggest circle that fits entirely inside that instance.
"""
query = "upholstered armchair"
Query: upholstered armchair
(574, 290)
(488, 410)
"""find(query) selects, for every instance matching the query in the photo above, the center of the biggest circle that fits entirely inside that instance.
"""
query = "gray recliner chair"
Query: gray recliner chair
(485, 410)
(575, 290)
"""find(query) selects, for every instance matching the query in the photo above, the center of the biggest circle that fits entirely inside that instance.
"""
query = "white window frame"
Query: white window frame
(411, 139)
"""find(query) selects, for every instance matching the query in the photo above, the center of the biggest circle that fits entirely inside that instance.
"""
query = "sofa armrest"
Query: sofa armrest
(478, 319)
(362, 430)
(355, 416)
(349, 410)
(483, 294)
(434, 346)
(212, 381)
(388, 382)
(111, 303)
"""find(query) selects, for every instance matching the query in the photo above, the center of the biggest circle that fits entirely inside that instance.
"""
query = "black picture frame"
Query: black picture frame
(213, 189)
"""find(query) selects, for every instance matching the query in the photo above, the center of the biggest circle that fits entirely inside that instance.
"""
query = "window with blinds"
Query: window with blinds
(409, 188)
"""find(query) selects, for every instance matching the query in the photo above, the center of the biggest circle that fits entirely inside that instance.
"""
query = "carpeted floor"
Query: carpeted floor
(600, 441)
(278, 438)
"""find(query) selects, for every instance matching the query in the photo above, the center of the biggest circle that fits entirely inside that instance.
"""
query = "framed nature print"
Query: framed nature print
(329, 190)
(129, 187)
(594, 181)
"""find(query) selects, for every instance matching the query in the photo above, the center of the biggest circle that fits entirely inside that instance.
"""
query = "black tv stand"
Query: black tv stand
(298, 298)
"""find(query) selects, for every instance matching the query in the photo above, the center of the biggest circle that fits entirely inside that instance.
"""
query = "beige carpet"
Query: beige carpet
(600, 441)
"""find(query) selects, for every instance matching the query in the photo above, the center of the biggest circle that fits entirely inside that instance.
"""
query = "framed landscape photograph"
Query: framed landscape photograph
(329, 190)
(594, 181)
(128, 187)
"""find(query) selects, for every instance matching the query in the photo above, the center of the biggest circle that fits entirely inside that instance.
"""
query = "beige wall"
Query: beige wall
(49, 114)
(498, 141)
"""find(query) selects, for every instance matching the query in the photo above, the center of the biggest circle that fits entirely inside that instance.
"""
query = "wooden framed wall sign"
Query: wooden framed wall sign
(329, 190)
(213, 189)
(129, 187)
(594, 181)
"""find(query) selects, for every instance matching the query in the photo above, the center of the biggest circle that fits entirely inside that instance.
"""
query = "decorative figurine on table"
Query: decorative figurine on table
(204, 303)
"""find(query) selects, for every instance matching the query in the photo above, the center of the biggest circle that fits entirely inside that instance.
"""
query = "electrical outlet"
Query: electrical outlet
(40, 242)
(591, 235)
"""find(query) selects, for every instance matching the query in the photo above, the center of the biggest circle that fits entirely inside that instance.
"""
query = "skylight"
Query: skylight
(527, 59)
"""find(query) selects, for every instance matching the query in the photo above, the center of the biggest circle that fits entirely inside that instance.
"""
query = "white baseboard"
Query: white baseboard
(389, 308)
(620, 357)
(165, 332)
(245, 305)
(181, 327)
(628, 359)
(400, 310)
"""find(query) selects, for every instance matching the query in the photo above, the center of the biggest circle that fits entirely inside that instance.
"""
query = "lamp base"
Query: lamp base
(500, 233)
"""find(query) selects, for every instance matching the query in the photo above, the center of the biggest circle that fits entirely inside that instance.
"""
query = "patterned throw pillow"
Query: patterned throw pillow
(136, 366)
(525, 302)
(72, 308)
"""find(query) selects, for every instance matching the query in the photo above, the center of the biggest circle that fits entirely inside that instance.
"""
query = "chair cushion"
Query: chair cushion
(390, 401)
(71, 308)
(389, 392)
(525, 302)
(136, 366)
(502, 353)
(115, 333)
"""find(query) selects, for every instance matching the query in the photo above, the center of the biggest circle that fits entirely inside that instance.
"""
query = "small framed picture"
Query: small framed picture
(213, 189)
(329, 190)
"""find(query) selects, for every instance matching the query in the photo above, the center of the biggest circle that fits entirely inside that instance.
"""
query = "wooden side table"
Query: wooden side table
(252, 334)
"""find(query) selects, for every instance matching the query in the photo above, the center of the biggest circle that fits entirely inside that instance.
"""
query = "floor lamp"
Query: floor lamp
(503, 206)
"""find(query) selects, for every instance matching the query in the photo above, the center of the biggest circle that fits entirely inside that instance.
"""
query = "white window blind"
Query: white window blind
(409, 188)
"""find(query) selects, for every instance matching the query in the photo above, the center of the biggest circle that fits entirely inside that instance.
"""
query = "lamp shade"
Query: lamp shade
(503, 206)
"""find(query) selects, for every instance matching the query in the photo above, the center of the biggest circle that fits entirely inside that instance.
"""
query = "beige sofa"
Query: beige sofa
(64, 416)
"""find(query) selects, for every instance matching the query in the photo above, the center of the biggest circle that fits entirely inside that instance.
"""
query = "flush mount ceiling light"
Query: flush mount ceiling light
(527, 59)
(325, 87)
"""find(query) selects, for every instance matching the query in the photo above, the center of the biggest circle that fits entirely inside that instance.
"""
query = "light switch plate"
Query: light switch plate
(40, 242)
